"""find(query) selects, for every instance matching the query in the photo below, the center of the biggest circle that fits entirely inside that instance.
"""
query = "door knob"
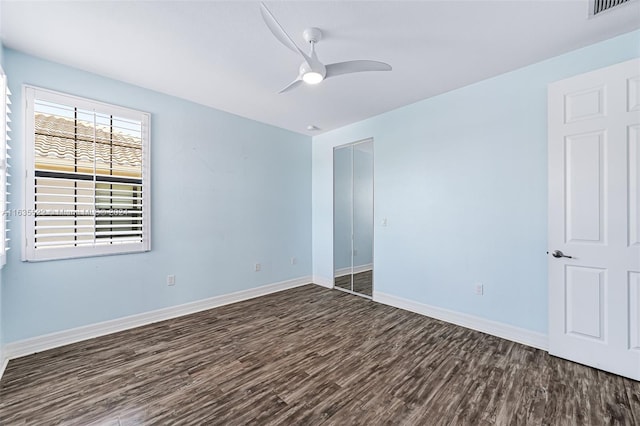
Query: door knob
(558, 254)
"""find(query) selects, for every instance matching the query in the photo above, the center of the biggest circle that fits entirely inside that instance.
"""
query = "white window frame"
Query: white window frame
(29, 251)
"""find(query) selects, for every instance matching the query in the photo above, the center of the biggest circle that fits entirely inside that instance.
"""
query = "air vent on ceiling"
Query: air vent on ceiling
(599, 6)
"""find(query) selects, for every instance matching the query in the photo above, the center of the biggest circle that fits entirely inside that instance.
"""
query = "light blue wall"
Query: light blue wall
(227, 192)
(462, 180)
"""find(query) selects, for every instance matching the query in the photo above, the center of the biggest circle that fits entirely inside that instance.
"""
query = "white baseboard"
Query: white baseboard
(356, 270)
(3, 363)
(323, 281)
(495, 328)
(61, 338)
(362, 268)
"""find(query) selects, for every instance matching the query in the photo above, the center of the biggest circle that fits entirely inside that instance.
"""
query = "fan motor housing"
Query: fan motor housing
(312, 35)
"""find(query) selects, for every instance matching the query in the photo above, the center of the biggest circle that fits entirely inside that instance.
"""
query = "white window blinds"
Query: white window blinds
(87, 178)
(4, 165)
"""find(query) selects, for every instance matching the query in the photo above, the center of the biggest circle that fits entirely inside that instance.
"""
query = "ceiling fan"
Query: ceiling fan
(312, 71)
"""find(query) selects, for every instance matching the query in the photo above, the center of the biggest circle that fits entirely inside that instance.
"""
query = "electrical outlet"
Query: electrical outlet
(294, 261)
(257, 267)
(479, 289)
(171, 280)
(384, 221)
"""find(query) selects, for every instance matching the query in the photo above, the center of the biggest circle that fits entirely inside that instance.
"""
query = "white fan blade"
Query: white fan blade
(295, 83)
(340, 68)
(279, 32)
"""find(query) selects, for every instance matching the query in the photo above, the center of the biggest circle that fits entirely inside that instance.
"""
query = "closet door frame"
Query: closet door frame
(352, 145)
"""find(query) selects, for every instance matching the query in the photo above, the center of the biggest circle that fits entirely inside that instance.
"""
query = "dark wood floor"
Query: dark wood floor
(309, 356)
(362, 282)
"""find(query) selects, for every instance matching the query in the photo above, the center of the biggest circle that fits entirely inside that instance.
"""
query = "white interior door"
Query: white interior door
(594, 217)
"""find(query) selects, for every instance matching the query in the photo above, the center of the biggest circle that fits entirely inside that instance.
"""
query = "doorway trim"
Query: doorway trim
(333, 207)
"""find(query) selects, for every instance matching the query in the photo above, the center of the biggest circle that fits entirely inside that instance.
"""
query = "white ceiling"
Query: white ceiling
(222, 55)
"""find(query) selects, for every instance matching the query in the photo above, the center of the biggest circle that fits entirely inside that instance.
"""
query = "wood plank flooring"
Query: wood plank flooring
(309, 356)
(362, 282)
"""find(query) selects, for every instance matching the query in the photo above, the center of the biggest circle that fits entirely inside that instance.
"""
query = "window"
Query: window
(4, 165)
(87, 180)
